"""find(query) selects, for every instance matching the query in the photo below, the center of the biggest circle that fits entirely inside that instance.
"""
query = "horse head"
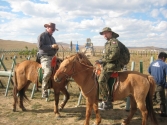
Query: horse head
(69, 66)
(65, 69)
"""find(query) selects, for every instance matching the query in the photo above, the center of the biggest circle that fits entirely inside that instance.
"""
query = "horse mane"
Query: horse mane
(83, 59)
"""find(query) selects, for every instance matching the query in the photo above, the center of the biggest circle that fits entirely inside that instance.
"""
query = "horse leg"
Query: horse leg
(98, 118)
(15, 98)
(21, 92)
(67, 96)
(132, 111)
(22, 96)
(56, 96)
(89, 106)
(144, 112)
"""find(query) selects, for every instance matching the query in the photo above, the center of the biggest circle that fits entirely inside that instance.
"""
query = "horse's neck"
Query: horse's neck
(84, 77)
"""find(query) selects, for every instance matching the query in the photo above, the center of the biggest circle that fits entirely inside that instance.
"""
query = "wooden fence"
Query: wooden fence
(65, 52)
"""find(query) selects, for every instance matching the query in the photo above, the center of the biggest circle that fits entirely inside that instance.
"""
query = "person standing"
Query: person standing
(158, 69)
(111, 63)
(47, 49)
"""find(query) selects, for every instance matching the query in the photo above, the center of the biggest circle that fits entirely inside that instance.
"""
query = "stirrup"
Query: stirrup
(44, 94)
(105, 106)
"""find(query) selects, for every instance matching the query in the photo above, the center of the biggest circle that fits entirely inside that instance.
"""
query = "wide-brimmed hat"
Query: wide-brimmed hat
(53, 25)
(115, 35)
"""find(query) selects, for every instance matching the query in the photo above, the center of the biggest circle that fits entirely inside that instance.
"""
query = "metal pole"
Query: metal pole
(79, 99)
(33, 90)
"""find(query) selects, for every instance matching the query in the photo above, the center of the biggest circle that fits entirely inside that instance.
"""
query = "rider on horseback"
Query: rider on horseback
(110, 63)
(47, 49)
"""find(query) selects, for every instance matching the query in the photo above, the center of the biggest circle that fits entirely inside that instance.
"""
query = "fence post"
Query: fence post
(33, 90)
(10, 75)
(79, 99)
(141, 66)
(152, 59)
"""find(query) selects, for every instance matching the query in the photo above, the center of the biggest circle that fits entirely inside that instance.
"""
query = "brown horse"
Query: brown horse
(138, 86)
(27, 72)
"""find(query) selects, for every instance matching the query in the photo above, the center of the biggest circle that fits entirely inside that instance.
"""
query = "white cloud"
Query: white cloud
(78, 19)
(4, 7)
(7, 15)
(164, 12)
(155, 13)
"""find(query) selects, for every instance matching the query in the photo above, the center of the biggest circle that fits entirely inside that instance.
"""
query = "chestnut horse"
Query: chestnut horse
(25, 73)
(139, 87)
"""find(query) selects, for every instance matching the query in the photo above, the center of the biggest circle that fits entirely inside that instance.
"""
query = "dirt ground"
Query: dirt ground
(40, 112)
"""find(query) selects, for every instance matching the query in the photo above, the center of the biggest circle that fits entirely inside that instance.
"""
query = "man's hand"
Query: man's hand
(55, 46)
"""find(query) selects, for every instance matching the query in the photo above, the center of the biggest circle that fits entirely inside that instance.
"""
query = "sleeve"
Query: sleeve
(166, 69)
(41, 43)
(149, 69)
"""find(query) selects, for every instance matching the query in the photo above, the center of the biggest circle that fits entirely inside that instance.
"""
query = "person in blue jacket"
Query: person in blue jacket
(158, 69)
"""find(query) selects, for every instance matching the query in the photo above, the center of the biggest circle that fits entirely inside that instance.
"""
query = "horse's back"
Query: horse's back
(27, 70)
(132, 83)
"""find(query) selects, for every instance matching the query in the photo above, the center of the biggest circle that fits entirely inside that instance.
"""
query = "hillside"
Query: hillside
(14, 45)
(18, 45)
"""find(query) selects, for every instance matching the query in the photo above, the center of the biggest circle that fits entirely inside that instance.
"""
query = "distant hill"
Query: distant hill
(18, 45)
(14, 45)
(148, 48)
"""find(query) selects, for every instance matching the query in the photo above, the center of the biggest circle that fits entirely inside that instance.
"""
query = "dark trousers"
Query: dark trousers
(159, 95)
(103, 85)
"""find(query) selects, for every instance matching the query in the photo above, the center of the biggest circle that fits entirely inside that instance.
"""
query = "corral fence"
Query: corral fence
(64, 52)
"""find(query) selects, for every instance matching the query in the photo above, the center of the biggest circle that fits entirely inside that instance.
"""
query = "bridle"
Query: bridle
(72, 72)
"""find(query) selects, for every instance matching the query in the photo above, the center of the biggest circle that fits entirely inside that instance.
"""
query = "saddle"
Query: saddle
(113, 81)
(54, 64)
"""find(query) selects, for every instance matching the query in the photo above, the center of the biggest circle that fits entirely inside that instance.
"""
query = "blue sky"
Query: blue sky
(139, 23)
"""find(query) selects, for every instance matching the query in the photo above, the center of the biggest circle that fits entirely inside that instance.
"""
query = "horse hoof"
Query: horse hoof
(123, 123)
(94, 123)
(14, 110)
(60, 108)
(58, 116)
(24, 109)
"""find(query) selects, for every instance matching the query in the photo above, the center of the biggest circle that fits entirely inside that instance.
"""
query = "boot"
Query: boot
(105, 105)
(163, 110)
(44, 93)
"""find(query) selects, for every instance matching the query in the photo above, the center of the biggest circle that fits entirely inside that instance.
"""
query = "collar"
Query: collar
(48, 33)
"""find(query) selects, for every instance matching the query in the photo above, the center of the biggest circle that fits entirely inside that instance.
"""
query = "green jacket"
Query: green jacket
(112, 51)
(111, 56)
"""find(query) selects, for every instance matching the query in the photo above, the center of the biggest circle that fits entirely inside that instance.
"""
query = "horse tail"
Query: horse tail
(21, 92)
(15, 85)
(149, 102)
(23, 95)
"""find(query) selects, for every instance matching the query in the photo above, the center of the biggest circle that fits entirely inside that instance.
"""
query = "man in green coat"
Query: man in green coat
(110, 64)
